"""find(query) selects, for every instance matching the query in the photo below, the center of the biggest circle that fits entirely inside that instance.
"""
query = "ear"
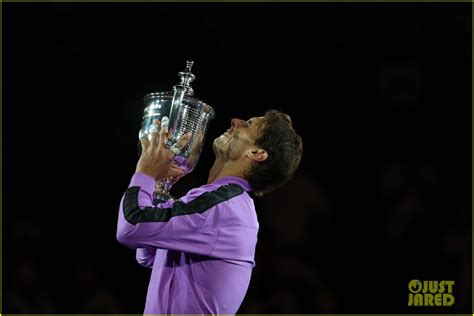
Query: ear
(257, 154)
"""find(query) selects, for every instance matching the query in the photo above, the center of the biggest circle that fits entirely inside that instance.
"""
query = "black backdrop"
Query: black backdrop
(379, 92)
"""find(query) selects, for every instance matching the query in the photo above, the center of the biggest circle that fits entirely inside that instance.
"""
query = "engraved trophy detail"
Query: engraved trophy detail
(186, 114)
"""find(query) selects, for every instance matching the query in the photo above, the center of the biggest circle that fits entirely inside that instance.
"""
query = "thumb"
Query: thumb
(176, 172)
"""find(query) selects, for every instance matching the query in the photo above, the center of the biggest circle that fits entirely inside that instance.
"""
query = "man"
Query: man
(202, 246)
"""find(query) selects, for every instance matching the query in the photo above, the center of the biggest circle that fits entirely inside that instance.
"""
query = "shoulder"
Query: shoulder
(213, 194)
(230, 203)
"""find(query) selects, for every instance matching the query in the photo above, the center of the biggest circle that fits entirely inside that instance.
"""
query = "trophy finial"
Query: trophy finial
(189, 65)
(186, 78)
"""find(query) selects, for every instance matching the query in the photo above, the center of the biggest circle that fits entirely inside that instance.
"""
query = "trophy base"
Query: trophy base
(160, 198)
(162, 191)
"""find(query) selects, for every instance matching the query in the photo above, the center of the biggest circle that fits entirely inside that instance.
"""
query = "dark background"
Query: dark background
(380, 93)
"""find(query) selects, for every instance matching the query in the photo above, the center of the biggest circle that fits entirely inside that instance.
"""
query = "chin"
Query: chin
(221, 139)
(219, 144)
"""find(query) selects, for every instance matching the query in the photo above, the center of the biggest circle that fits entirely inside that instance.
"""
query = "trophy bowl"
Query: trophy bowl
(186, 115)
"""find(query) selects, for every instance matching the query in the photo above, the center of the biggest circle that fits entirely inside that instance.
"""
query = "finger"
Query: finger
(154, 134)
(142, 136)
(164, 130)
(145, 143)
(184, 140)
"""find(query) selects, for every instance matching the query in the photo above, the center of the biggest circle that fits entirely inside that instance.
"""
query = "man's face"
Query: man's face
(239, 138)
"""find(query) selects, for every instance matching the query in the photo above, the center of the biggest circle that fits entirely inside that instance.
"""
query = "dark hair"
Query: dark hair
(284, 147)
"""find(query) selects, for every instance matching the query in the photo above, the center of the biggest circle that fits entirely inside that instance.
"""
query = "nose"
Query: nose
(235, 122)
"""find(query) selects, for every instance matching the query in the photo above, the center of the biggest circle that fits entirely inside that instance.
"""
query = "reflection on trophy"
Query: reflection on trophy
(186, 115)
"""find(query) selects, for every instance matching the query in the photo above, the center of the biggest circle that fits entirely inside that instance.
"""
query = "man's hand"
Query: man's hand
(156, 160)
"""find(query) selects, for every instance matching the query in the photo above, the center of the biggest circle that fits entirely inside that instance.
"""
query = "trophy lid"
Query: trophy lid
(186, 78)
(184, 89)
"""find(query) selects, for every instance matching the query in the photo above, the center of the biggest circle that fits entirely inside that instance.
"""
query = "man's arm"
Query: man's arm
(189, 225)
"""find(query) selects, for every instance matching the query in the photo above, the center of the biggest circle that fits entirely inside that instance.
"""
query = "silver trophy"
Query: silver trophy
(186, 114)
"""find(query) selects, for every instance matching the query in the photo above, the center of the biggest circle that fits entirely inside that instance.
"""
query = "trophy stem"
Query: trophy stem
(162, 191)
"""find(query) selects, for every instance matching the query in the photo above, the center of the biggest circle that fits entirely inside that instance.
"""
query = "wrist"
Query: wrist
(145, 172)
(146, 182)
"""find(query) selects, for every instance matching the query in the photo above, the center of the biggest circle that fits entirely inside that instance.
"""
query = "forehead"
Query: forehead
(256, 120)
(255, 124)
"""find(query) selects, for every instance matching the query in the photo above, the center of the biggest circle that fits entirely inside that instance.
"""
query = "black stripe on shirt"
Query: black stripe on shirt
(133, 214)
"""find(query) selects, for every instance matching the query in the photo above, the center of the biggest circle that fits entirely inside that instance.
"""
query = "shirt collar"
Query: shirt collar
(236, 180)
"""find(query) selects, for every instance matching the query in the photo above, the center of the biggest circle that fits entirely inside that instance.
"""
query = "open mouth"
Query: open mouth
(228, 133)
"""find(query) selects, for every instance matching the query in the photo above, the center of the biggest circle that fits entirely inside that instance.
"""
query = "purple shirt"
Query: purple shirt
(201, 247)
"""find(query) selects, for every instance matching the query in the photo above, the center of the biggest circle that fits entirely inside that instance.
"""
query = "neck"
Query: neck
(222, 169)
